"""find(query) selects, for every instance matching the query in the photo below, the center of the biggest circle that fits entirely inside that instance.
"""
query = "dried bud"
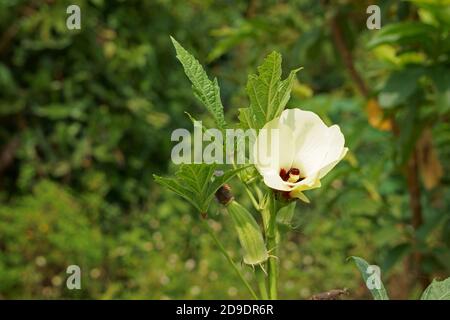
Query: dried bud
(224, 195)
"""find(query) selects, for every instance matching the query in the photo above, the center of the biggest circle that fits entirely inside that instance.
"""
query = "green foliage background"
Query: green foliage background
(86, 117)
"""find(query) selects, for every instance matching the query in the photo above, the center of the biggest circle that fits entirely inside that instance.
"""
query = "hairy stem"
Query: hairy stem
(272, 247)
(252, 197)
(229, 259)
(261, 278)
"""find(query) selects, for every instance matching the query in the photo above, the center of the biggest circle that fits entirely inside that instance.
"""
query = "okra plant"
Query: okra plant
(289, 152)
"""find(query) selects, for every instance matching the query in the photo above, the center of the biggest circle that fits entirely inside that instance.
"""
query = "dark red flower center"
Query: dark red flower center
(292, 175)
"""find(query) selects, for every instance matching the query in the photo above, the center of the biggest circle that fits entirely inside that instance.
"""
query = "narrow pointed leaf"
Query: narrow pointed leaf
(378, 294)
(285, 214)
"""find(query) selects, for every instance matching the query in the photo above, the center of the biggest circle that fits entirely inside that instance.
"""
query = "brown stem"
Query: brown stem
(416, 211)
(8, 153)
(251, 9)
(6, 37)
(346, 56)
(334, 294)
(414, 190)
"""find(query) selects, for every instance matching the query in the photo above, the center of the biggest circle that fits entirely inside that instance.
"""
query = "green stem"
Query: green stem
(272, 247)
(252, 197)
(261, 277)
(230, 260)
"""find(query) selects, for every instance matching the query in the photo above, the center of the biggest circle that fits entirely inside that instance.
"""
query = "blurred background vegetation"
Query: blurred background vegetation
(86, 117)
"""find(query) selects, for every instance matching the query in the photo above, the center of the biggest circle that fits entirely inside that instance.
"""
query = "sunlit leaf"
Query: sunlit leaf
(437, 290)
(267, 92)
(403, 33)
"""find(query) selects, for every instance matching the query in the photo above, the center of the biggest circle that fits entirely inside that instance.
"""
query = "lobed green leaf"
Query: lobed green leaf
(197, 184)
(207, 91)
(268, 94)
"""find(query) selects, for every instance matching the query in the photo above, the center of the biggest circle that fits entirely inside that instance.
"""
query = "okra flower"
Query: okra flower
(294, 151)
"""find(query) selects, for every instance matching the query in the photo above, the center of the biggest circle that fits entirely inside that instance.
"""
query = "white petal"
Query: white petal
(327, 168)
(273, 180)
(310, 182)
(274, 147)
(336, 145)
(321, 147)
(310, 134)
(301, 121)
(298, 139)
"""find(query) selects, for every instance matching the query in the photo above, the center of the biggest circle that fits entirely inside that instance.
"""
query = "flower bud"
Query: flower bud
(224, 195)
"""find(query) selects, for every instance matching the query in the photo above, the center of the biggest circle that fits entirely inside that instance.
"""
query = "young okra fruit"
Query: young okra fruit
(249, 234)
